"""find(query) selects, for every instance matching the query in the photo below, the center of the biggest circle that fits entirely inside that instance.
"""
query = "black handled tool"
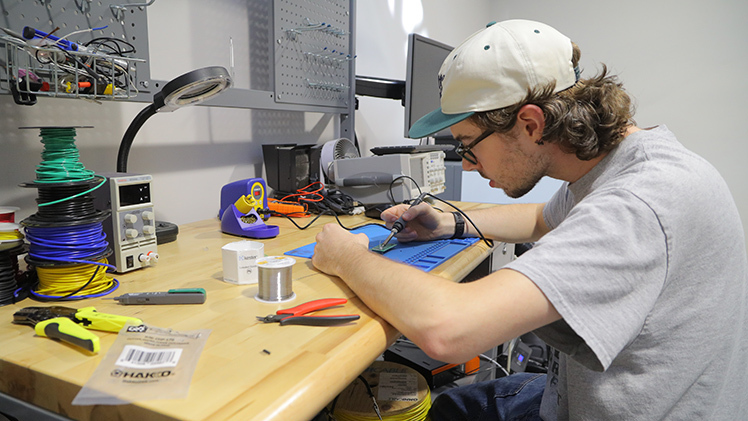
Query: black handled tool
(397, 226)
(53, 325)
(70, 324)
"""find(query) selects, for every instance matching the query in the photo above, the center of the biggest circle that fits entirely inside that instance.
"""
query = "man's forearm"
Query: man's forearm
(516, 223)
(444, 318)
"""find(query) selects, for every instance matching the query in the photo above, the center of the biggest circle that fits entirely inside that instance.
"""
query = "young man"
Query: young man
(638, 278)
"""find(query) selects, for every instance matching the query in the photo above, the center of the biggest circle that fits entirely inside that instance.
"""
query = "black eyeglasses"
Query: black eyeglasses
(464, 151)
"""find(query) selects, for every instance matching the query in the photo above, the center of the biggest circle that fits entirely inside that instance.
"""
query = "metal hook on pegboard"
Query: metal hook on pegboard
(83, 5)
(118, 10)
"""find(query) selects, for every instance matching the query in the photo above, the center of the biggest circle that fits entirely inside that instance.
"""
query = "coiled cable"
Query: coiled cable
(66, 282)
(9, 272)
(84, 246)
(60, 157)
(67, 245)
(74, 244)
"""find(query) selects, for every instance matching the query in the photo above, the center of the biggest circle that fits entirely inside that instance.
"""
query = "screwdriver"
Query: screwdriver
(398, 225)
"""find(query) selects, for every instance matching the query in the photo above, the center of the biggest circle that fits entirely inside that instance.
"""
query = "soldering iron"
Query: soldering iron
(399, 224)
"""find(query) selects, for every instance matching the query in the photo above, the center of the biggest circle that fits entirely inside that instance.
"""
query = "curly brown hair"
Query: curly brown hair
(588, 119)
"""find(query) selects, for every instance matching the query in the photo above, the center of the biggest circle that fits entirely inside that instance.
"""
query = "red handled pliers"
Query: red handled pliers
(298, 315)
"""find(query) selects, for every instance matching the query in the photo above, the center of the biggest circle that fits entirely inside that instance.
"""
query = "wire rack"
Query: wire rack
(28, 71)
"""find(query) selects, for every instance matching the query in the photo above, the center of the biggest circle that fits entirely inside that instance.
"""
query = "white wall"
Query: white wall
(684, 62)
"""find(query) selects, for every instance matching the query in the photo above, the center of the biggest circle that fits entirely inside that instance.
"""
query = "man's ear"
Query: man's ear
(531, 122)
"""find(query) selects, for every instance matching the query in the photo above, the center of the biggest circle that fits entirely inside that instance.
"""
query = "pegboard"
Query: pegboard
(119, 20)
(313, 52)
(292, 66)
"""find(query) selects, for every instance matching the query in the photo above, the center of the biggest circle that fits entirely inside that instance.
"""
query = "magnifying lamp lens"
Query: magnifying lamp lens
(192, 88)
(196, 92)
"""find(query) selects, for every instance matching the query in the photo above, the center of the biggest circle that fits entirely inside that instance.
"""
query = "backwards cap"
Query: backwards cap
(494, 68)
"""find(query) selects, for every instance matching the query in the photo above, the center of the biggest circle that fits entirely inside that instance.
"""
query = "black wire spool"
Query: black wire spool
(74, 211)
(9, 272)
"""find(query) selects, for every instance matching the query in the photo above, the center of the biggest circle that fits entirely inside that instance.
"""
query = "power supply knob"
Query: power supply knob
(131, 233)
(147, 216)
(130, 218)
(149, 229)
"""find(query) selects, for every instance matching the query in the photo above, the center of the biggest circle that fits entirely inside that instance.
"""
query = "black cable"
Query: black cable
(274, 213)
(391, 196)
(114, 50)
(488, 242)
(81, 65)
(9, 271)
(371, 395)
(67, 297)
(77, 209)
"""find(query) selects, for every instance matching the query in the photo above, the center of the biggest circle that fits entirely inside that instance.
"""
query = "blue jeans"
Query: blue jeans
(516, 397)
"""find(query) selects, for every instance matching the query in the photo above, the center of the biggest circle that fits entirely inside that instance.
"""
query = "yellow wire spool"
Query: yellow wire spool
(401, 393)
(59, 281)
(10, 236)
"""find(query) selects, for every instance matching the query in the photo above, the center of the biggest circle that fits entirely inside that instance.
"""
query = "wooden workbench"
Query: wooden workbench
(234, 379)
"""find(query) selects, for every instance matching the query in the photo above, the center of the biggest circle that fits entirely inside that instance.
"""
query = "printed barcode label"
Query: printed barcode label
(140, 357)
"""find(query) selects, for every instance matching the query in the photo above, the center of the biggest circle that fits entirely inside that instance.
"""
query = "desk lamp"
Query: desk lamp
(189, 89)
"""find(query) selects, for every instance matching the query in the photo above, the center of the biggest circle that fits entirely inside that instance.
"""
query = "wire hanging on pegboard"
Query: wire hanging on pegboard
(88, 51)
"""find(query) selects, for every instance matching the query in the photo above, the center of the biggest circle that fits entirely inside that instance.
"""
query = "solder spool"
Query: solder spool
(275, 279)
(8, 213)
(10, 235)
(401, 394)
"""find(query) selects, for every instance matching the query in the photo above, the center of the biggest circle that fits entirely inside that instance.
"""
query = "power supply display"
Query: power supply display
(131, 228)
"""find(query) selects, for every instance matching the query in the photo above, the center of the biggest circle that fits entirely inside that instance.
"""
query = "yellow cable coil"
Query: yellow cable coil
(8, 236)
(402, 394)
(63, 280)
(10, 231)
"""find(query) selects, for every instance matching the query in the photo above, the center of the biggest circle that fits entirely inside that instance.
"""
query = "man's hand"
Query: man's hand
(335, 247)
(422, 222)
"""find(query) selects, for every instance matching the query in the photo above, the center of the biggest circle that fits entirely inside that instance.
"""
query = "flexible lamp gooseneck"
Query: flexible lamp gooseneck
(189, 89)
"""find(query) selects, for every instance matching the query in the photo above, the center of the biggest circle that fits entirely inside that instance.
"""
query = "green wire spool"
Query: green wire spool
(61, 161)
(60, 158)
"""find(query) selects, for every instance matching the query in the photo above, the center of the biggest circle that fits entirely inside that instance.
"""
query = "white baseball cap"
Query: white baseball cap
(494, 68)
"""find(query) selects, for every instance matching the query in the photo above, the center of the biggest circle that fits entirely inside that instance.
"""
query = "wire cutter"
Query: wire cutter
(70, 324)
(298, 315)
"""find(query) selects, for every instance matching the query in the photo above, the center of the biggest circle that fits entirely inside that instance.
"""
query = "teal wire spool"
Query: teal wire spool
(61, 170)
(60, 157)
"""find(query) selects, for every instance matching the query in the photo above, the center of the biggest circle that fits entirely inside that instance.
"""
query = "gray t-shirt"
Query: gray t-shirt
(646, 263)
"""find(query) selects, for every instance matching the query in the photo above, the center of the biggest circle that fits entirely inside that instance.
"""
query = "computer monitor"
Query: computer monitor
(425, 57)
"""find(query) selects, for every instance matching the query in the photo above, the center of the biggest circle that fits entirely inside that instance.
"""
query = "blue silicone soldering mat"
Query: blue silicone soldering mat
(424, 255)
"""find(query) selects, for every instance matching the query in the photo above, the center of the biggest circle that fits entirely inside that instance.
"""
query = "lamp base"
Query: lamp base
(166, 232)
